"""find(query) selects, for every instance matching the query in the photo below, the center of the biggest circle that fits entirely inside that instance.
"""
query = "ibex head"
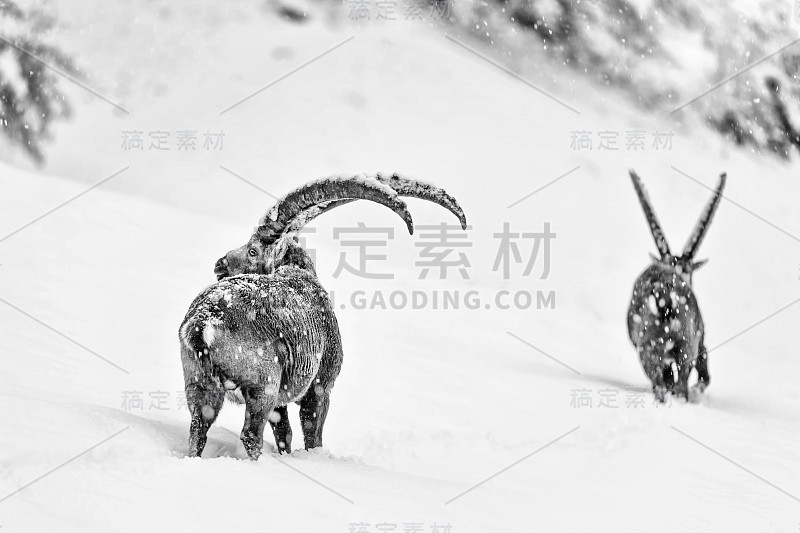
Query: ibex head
(684, 264)
(274, 241)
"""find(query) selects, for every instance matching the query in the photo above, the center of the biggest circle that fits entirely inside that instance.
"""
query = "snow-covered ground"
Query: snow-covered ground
(430, 402)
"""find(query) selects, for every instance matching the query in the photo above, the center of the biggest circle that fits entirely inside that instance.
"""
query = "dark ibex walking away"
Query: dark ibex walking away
(267, 327)
(664, 322)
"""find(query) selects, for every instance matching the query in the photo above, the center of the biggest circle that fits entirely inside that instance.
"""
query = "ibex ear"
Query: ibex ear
(698, 264)
(654, 258)
(280, 248)
(275, 254)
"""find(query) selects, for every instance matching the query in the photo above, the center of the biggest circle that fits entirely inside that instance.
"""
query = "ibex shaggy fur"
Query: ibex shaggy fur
(267, 327)
(664, 322)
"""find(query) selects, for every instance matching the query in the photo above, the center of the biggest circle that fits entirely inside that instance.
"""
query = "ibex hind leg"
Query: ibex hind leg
(703, 377)
(204, 401)
(259, 403)
(668, 378)
(281, 429)
(313, 411)
(660, 376)
(682, 384)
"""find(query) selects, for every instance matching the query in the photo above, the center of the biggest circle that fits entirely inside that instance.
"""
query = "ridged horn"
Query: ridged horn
(331, 191)
(701, 227)
(305, 217)
(412, 188)
(402, 186)
(652, 221)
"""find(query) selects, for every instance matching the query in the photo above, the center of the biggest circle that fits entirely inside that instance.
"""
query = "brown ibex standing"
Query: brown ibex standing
(267, 327)
(664, 322)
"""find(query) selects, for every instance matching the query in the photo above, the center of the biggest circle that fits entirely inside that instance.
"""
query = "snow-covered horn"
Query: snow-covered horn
(412, 188)
(306, 216)
(652, 221)
(331, 192)
(401, 185)
(701, 227)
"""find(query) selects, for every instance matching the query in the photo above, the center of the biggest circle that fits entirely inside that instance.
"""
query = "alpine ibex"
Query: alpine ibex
(267, 327)
(664, 322)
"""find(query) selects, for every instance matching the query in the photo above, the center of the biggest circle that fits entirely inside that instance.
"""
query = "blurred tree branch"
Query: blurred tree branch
(29, 96)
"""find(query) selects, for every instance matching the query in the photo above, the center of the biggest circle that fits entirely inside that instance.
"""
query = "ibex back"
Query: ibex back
(267, 328)
(664, 321)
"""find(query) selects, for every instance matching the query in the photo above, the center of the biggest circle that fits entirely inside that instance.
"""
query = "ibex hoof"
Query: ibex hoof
(696, 392)
(284, 448)
(253, 448)
(660, 393)
(254, 453)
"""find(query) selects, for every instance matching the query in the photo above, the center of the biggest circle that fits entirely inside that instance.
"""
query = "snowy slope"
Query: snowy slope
(430, 402)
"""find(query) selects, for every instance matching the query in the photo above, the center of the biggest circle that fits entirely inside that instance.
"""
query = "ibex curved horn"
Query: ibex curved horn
(349, 189)
(306, 216)
(701, 227)
(652, 221)
(331, 189)
(424, 191)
